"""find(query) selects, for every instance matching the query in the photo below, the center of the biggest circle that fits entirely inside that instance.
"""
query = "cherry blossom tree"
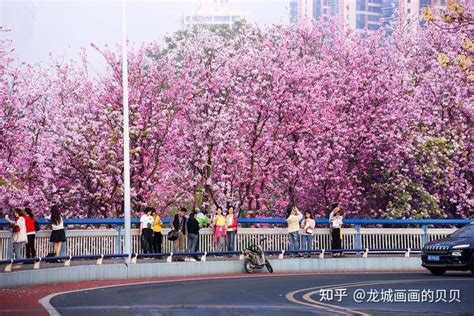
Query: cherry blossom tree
(261, 119)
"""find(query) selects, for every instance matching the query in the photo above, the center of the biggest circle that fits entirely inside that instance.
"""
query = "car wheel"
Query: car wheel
(437, 271)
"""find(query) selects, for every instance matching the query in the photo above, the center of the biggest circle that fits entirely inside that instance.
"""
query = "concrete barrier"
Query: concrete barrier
(180, 269)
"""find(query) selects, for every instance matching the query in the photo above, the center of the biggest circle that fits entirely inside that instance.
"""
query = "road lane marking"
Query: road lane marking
(308, 301)
(45, 301)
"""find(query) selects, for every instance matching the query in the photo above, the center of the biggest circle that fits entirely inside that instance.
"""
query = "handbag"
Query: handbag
(173, 235)
(16, 228)
(309, 230)
(37, 226)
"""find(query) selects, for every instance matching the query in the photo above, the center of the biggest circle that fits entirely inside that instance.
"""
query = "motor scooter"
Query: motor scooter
(255, 259)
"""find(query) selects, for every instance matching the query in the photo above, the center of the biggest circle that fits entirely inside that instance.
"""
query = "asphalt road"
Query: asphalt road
(265, 294)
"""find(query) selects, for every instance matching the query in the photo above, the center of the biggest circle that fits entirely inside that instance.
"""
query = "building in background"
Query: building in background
(359, 14)
(308, 10)
(366, 14)
(354, 14)
(294, 12)
(213, 12)
(409, 10)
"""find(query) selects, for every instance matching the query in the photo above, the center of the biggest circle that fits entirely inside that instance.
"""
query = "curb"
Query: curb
(183, 269)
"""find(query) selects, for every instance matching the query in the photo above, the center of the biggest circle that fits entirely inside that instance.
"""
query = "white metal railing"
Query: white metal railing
(105, 241)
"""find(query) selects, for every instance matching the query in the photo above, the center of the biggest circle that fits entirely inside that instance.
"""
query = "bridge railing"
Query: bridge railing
(105, 240)
(7, 264)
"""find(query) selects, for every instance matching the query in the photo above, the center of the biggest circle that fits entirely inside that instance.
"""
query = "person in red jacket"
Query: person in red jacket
(30, 233)
(231, 222)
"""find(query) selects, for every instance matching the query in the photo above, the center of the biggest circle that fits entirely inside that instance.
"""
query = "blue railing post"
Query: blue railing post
(424, 237)
(357, 238)
(118, 240)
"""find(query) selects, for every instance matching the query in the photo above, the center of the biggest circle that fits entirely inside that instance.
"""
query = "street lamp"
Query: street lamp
(126, 137)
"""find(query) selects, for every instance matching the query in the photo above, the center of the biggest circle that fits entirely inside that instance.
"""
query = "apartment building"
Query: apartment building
(359, 14)
(213, 12)
(409, 9)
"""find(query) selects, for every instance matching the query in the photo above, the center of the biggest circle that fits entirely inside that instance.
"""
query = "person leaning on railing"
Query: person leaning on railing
(335, 222)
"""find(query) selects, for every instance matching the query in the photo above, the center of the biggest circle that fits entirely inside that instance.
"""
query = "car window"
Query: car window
(465, 232)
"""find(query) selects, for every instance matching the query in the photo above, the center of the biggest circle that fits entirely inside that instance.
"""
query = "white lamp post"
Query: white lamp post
(126, 136)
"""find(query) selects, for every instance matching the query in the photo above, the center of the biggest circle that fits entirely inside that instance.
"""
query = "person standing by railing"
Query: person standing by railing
(307, 229)
(218, 225)
(30, 233)
(146, 224)
(231, 222)
(293, 220)
(179, 225)
(19, 237)
(202, 219)
(157, 232)
(335, 222)
(58, 235)
(193, 234)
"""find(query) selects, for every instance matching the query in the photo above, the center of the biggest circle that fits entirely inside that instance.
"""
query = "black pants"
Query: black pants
(30, 246)
(336, 238)
(157, 241)
(147, 240)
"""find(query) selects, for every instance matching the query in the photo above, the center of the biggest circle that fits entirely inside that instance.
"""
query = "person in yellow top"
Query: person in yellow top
(157, 232)
(218, 224)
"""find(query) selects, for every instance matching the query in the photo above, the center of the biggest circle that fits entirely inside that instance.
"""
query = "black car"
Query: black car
(455, 252)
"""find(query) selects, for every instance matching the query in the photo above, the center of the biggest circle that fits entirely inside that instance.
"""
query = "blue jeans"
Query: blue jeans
(294, 241)
(230, 241)
(307, 242)
(192, 242)
(17, 249)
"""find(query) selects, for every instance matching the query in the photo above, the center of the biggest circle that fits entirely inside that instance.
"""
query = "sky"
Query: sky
(41, 27)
